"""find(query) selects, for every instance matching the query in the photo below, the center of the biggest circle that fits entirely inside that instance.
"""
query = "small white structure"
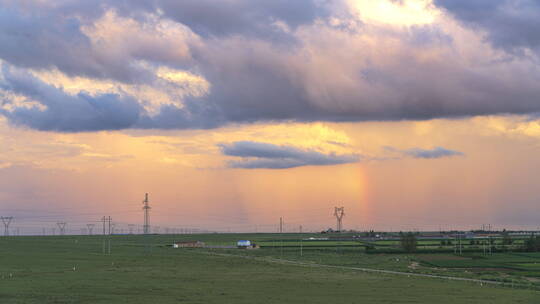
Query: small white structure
(243, 244)
(189, 244)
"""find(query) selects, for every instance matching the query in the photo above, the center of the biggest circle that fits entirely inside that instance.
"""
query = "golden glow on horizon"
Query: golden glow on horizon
(179, 167)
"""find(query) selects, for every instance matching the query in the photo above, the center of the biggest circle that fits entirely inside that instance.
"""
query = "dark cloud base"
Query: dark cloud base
(437, 152)
(257, 155)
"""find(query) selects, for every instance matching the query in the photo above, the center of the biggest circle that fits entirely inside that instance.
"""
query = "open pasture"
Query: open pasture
(73, 269)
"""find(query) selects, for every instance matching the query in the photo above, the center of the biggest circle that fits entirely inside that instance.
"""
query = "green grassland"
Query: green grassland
(143, 269)
(518, 268)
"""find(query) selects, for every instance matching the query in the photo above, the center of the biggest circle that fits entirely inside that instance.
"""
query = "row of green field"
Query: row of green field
(529, 262)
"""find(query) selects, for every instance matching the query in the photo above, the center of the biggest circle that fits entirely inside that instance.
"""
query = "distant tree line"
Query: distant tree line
(532, 244)
(408, 241)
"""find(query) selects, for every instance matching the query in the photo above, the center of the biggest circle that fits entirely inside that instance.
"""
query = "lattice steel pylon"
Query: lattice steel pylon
(62, 226)
(90, 228)
(6, 220)
(339, 212)
(146, 208)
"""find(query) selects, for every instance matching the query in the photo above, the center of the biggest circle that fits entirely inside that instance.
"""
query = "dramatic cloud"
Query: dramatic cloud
(243, 61)
(256, 19)
(437, 152)
(64, 112)
(82, 42)
(510, 24)
(264, 155)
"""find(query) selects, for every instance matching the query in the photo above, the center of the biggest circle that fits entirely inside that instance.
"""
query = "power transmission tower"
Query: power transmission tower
(280, 225)
(6, 220)
(146, 209)
(339, 212)
(90, 228)
(62, 226)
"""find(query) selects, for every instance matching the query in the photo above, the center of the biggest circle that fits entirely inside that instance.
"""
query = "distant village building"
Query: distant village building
(245, 244)
(189, 244)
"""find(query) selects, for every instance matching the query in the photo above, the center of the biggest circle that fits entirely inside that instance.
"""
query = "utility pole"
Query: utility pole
(460, 247)
(280, 234)
(339, 212)
(103, 220)
(90, 228)
(455, 244)
(110, 223)
(62, 226)
(146, 209)
(107, 222)
(6, 220)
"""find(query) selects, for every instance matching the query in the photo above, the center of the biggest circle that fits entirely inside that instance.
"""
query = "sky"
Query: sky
(411, 114)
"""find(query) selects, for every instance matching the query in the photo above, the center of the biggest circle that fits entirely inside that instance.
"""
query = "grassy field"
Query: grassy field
(73, 269)
(511, 267)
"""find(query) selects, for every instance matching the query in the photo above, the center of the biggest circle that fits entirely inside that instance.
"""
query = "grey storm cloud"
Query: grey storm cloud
(243, 17)
(265, 61)
(436, 152)
(269, 156)
(44, 39)
(510, 24)
(64, 112)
